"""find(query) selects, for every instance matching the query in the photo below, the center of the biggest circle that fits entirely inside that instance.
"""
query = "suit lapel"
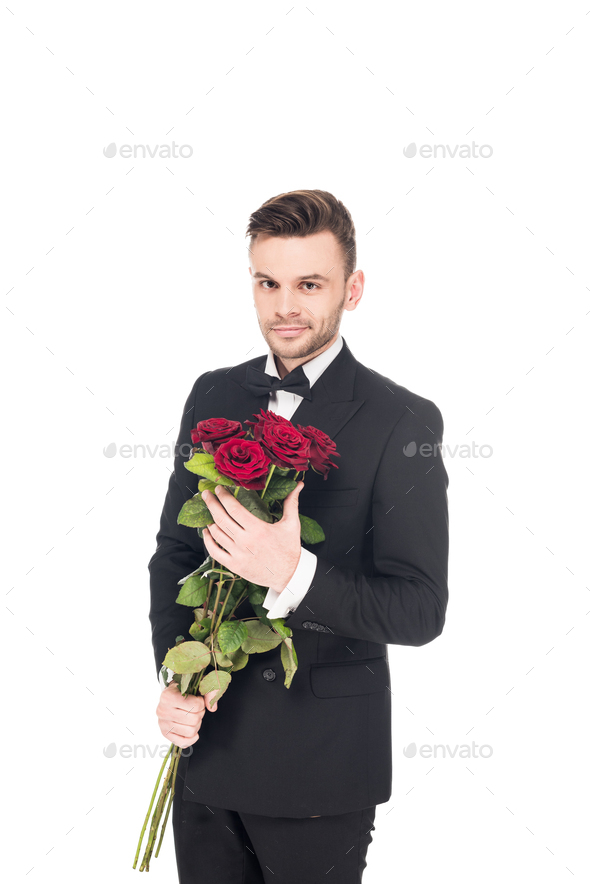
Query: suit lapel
(332, 404)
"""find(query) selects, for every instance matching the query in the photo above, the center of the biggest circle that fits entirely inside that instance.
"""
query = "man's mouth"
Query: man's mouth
(289, 331)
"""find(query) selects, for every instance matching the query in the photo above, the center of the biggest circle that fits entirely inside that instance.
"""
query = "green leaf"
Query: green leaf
(188, 657)
(256, 593)
(253, 504)
(261, 613)
(193, 592)
(254, 588)
(204, 566)
(207, 485)
(200, 630)
(198, 459)
(216, 680)
(257, 596)
(311, 532)
(279, 626)
(204, 465)
(185, 681)
(289, 660)
(222, 661)
(261, 638)
(195, 513)
(279, 487)
(239, 587)
(239, 659)
(231, 635)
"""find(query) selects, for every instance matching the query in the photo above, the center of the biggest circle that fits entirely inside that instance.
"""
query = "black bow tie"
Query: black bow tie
(262, 384)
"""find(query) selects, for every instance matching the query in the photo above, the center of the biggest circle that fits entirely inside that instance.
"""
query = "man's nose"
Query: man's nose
(287, 305)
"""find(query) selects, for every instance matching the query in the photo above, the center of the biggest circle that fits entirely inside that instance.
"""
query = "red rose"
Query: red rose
(322, 449)
(243, 461)
(286, 446)
(267, 416)
(213, 432)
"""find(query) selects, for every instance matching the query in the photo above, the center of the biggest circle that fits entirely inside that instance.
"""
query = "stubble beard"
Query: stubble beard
(301, 350)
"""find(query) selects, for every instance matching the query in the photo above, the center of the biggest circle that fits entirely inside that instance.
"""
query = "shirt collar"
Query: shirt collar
(314, 367)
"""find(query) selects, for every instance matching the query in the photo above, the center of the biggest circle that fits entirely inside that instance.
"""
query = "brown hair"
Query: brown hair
(303, 212)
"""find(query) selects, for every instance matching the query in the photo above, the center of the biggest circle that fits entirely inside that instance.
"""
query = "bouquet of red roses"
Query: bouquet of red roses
(260, 465)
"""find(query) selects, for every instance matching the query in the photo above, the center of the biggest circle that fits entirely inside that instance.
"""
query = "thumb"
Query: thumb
(208, 698)
(291, 502)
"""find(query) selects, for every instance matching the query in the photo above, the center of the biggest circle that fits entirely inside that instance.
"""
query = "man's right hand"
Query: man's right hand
(180, 717)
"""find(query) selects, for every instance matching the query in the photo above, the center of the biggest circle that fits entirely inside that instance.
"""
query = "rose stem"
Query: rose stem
(225, 599)
(237, 604)
(156, 820)
(219, 585)
(268, 478)
(209, 590)
(170, 797)
(151, 803)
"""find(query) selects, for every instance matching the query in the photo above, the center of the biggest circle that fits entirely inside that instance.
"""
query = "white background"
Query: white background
(125, 279)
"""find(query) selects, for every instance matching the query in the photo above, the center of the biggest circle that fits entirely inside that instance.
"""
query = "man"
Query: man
(282, 785)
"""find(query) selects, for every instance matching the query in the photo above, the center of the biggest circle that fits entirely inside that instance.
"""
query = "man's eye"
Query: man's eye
(268, 282)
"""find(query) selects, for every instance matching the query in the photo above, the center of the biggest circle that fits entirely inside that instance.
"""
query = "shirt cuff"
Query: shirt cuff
(279, 604)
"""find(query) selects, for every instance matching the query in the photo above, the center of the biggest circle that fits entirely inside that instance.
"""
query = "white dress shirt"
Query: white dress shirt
(284, 403)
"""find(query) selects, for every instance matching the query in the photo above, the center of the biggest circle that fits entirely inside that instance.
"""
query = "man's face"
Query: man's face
(300, 292)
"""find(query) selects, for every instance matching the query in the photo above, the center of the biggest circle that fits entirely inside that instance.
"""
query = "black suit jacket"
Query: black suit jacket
(323, 746)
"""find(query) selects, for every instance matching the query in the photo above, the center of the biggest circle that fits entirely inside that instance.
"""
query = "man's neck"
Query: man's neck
(284, 366)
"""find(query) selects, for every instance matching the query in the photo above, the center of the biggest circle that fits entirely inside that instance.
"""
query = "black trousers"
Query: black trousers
(218, 846)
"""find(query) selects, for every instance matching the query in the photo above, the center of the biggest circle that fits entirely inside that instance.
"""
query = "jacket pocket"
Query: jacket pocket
(349, 679)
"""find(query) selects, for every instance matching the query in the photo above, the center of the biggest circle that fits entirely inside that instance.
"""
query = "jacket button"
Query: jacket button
(269, 674)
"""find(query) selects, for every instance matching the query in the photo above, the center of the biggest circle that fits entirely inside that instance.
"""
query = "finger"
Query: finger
(186, 716)
(192, 703)
(220, 506)
(182, 716)
(182, 742)
(208, 699)
(187, 702)
(173, 727)
(239, 514)
(214, 550)
(291, 502)
(219, 533)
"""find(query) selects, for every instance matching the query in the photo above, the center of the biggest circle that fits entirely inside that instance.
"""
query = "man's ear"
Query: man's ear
(355, 293)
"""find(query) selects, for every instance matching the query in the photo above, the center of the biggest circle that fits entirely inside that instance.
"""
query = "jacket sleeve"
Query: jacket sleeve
(179, 550)
(403, 601)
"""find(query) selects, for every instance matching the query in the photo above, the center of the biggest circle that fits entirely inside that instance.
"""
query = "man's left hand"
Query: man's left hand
(262, 552)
